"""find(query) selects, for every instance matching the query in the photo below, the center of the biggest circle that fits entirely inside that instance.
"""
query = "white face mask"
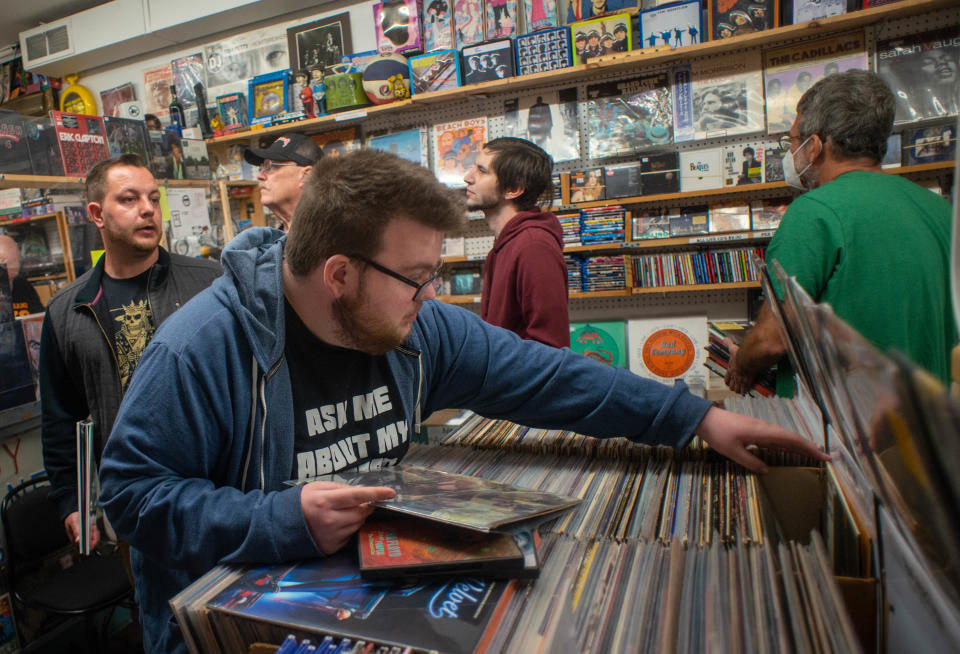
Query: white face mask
(790, 174)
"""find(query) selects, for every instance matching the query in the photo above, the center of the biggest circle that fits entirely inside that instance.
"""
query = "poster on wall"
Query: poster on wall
(156, 85)
(231, 62)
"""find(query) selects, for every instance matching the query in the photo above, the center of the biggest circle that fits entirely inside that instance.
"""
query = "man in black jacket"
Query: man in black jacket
(97, 327)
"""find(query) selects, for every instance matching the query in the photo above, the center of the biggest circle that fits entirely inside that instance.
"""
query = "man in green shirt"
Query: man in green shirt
(873, 246)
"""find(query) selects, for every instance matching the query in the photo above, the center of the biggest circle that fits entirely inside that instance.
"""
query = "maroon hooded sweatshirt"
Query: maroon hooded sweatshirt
(525, 280)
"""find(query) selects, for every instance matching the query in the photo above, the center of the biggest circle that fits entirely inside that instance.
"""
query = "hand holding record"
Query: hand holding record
(334, 512)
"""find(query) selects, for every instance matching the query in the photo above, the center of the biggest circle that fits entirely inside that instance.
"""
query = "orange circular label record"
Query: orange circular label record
(668, 353)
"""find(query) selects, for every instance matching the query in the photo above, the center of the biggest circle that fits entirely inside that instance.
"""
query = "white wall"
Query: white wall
(131, 70)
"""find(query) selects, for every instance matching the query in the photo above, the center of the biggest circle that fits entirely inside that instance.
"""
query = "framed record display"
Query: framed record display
(548, 119)
(601, 36)
(627, 116)
(674, 25)
(320, 43)
(729, 18)
(791, 70)
(543, 51)
(923, 71)
(434, 71)
(488, 61)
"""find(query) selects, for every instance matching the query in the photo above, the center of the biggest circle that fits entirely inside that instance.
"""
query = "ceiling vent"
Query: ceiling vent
(46, 43)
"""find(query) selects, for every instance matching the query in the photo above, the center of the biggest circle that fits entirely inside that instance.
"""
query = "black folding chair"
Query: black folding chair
(92, 585)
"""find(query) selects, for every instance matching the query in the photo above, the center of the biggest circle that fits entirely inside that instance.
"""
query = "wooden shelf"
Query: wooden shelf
(586, 295)
(22, 221)
(695, 287)
(634, 60)
(49, 181)
(745, 189)
(459, 299)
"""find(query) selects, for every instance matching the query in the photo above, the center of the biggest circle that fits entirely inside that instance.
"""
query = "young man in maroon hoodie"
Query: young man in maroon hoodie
(524, 275)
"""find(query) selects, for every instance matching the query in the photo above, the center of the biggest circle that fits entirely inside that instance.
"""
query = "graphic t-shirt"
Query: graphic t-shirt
(131, 326)
(346, 408)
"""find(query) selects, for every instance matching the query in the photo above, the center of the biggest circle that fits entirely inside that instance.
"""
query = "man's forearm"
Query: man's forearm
(762, 347)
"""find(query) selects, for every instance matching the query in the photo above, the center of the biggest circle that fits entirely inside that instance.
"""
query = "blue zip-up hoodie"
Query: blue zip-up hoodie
(193, 472)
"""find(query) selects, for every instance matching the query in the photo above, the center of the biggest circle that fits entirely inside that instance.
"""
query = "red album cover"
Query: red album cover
(399, 547)
(82, 142)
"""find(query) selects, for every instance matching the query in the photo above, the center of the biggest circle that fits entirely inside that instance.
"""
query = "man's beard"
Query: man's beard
(482, 203)
(366, 333)
(127, 241)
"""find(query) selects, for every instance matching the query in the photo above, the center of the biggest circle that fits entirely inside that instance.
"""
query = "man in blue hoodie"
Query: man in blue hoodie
(319, 351)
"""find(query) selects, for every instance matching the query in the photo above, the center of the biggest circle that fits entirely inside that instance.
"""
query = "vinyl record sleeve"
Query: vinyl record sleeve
(673, 25)
(408, 144)
(548, 119)
(412, 548)
(791, 70)
(628, 116)
(328, 596)
(923, 72)
(126, 135)
(604, 341)
(82, 142)
(455, 147)
(701, 170)
(743, 164)
(727, 95)
(729, 18)
(14, 148)
(666, 349)
(460, 500)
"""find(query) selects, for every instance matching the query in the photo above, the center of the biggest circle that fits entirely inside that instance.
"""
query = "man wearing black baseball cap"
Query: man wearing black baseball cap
(283, 167)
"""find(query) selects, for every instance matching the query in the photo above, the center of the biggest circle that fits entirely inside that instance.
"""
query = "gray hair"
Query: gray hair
(853, 110)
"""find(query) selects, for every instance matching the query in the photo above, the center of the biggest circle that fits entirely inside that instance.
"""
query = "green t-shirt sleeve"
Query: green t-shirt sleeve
(808, 244)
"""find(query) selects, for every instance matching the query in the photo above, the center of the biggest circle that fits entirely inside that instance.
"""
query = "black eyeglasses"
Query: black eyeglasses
(433, 281)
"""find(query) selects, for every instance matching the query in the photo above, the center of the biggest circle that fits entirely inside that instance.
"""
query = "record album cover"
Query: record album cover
(727, 95)
(673, 25)
(628, 116)
(187, 71)
(548, 119)
(82, 142)
(743, 164)
(435, 71)
(650, 223)
(773, 163)
(790, 70)
(623, 180)
(586, 185)
(730, 216)
(156, 84)
(328, 596)
(603, 341)
(408, 144)
(806, 10)
(660, 173)
(667, 349)
(454, 499)
(403, 548)
(337, 142)
(455, 147)
(14, 149)
(488, 61)
(126, 135)
(766, 214)
(43, 144)
(690, 221)
(111, 99)
(923, 71)
(930, 144)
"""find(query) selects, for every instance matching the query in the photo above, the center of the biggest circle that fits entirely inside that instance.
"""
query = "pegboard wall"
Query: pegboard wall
(721, 304)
